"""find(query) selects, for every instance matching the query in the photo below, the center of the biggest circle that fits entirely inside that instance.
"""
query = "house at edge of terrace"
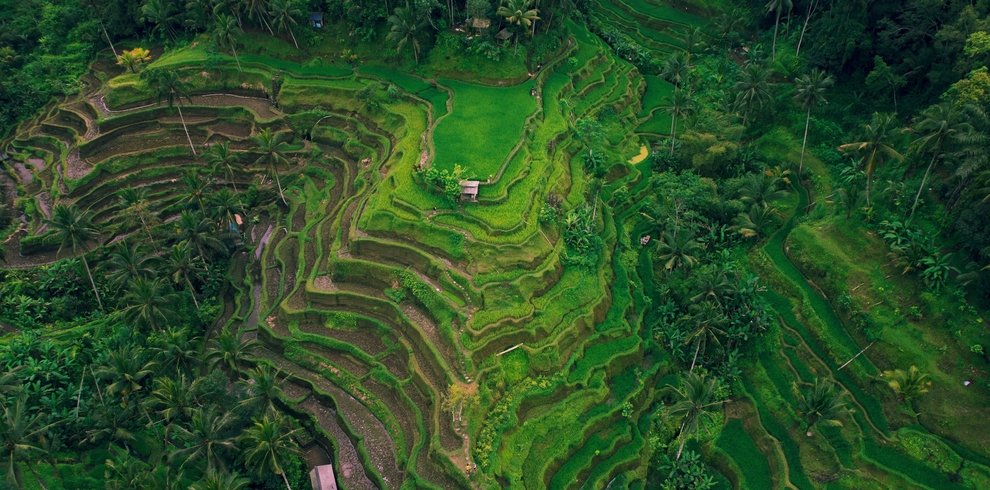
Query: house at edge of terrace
(322, 477)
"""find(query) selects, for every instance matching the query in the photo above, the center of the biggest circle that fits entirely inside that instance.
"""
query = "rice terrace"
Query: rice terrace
(581, 244)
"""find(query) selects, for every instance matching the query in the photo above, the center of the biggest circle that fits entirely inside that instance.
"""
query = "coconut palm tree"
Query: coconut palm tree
(150, 303)
(267, 444)
(272, 151)
(698, 398)
(229, 350)
(875, 147)
(679, 105)
(760, 188)
(181, 263)
(776, 7)
(812, 5)
(206, 438)
(221, 480)
(175, 349)
(258, 11)
(162, 15)
(404, 28)
(74, 228)
(519, 13)
(135, 204)
(128, 262)
(908, 385)
(822, 403)
(752, 91)
(196, 189)
(223, 206)
(225, 33)
(221, 155)
(199, 234)
(127, 371)
(22, 438)
(173, 400)
(678, 248)
(675, 69)
(940, 124)
(166, 85)
(755, 222)
(809, 92)
(263, 387)
(284, 14)
(708, 321)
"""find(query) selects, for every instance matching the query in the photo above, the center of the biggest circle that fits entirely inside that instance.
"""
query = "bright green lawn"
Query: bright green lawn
(483, 127)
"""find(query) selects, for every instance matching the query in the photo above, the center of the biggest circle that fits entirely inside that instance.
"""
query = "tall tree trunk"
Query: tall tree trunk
(922, 186)
(230, 172)
(293, 36)
(776, 25)
(279, 184)
(804, 28)
(184, 128)
(673, 132)
(680, 448)
(697, 348)
(869, 189)
(107, 35)
(286, 480)
(804, 143)
(91, 281)
(237, 59)
(192, 290)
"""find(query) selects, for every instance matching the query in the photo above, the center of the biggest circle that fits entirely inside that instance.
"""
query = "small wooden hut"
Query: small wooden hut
(469, 190)
(322, 478)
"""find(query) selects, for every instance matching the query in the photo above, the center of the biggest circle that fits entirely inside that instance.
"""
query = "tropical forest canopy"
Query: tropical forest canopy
(678, 244)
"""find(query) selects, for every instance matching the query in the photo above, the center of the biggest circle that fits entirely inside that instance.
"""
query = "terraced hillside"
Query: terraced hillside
(452, 345)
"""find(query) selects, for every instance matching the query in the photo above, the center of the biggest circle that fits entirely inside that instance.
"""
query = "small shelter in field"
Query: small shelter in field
(316, 20)
(469, 190)
(480, 24)
(322, 478)
(503, 35)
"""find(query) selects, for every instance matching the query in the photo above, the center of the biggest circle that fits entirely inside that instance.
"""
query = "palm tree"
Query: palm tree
(196, 188)
(149, 302)
(698, 396)
(223, 206)
(22, 436)
(229, 350)
(284, 15)
(908, 385)
(272, 151)
(812, 5)
(166, 85)
(675, 69)
(74, 228)
(678, 248)
(128, 262)
(267, 444)
(752, 90)
(939, 124)
(821, 404)
(263, 387)
(181, 263)
(206, 438)
(708, 321)
(221, 155)
(519, 13)
(679, 106)
(126, 370)
(225, 33)
(134, 200)
(755, 222)
(760, 188)
(220, 480)
(256, 9)
(874, 147)
(175, 350)
(776, 7)
(160, 13)
(199, 234)
(404, 27)
(173, 400)
(809, 92)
